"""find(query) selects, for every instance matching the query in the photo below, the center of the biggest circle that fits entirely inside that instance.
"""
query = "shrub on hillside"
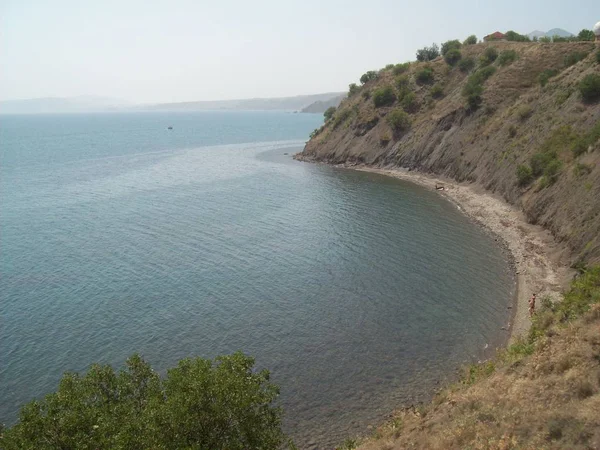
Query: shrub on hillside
(353, 88)
(471, 40)
(340, 116)
(524, 112)
(383, 96)
(539, 161)
(489, 56)
(409, 102)
(450, 45)
(466, 64)
(545, 39)
(514, 36)
(474, 87)
(389, 67)
(198, 404)
(507, 57)
(369, 76)
(598, 56)
(402, 81)
(398, 120)
(524, 175)
(428, 53)
(437, 91)
(400, 68)
(424, 75)
(545, 76)
(586, 35)
(590, 87)
(329, 112)
(452, 56)
(573, 58)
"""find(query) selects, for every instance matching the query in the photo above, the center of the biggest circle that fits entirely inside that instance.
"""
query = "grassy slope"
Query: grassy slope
(517, 119)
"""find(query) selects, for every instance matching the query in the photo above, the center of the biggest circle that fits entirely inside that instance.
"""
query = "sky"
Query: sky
(155, 51)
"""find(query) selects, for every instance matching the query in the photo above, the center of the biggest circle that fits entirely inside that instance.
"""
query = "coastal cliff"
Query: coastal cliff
(507, 116)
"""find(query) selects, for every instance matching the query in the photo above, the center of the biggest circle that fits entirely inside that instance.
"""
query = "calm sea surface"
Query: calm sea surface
(117, 235)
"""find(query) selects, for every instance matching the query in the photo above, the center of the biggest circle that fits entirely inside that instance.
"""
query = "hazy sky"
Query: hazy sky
(177, 50)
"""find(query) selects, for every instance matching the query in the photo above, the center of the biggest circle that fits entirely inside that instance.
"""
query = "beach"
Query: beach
(537, 259)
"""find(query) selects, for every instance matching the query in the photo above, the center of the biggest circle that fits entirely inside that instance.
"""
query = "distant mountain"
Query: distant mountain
(321, 105)
(550, 33)
(52, 105)
(258, 104)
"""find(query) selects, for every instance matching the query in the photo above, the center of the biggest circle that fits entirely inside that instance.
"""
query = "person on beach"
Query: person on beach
(532, 305)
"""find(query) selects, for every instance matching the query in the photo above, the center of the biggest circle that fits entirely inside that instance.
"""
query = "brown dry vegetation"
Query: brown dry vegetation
(517, 118)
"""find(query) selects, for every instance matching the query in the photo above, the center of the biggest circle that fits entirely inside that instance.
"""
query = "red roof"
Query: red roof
(494, 36)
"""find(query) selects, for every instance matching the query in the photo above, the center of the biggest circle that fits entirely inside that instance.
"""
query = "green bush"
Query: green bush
(424, 75)
(389, 67)
(590, 87)
(452, 56)
(545, 39)
(353, 88)
(507, 57)
(369, 76)
(474, 87)
(471, 40)
(402, 81)
(545, 76)
(398, 120)
(524, 112)
(582, 143)
(573, 58)
(400, 68)
(329, 112)
(204, 404)
(466, 64)
(428, 53)
(409, 102)
(437, 91)
(586, 35)
(514, 36)
(524, 175)
(489, 56)
(384, 96)
(582, 169)
(340, 116)
(552, 170)
(450, 45)
(539, 161)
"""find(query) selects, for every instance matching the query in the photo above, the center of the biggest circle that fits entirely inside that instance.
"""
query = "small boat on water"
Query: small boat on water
(170, 128)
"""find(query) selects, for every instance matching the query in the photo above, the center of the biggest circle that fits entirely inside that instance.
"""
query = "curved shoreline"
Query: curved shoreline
(534, 254)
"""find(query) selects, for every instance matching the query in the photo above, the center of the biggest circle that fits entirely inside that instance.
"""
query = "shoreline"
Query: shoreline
(532, 251)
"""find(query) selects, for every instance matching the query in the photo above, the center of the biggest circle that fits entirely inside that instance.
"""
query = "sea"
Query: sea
(359, 292)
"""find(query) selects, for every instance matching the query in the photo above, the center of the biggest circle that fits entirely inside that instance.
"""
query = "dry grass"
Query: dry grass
(547, 400)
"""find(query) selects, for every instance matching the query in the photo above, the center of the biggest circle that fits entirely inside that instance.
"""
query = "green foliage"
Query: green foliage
(539, 161)
(402, 81)
(353, 88)
(581, 170)
(514, 36)
(409, 101)
(384, 96)
(452, 56)
(315, 133)
(369, 76)
(398, 120)
(471, 40)
(586, 35)
(489, 56)
(389, 67)
(329, 112)
(400, 68)
(545, 39)
(590, 87)
(524, 112)
(437, 91)
(203, 404)
(598, 56)
(466, 64)
(424, 75)
(507, 57)
(428, 53)
(477, 372)
(524, 175)
(573, 58)
(341, 116)
(450, 45)
(552, 170)
(545, 76)
(582, 143)
(474, 87)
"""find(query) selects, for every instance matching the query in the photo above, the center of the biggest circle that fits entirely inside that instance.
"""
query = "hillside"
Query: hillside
(295, 103)
(321, 106)
(536, 146)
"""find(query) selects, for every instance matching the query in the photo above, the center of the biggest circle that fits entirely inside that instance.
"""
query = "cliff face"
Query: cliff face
(517, 119)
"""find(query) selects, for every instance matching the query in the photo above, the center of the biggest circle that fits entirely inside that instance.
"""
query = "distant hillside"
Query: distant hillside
(322, 105)
(50, 105)
(550, 33)
(258, 104)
